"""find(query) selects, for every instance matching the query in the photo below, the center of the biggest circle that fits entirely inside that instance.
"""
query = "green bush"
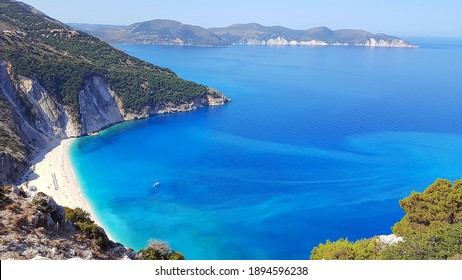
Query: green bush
(77, 215)
(438, 242)
(159, 250)
(441, 202)
(42, 205)
(96, 233)
(342, 249)
(85, 224)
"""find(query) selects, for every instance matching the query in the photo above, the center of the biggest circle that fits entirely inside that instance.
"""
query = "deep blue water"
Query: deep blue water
(319, 143)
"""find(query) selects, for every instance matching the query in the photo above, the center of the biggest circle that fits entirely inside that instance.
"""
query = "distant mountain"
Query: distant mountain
(167, 32)
(155, 32)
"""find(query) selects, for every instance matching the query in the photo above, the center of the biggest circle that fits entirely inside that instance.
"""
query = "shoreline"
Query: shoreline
(52, 173)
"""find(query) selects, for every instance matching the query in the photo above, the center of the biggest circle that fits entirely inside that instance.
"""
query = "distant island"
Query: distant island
(169, 32)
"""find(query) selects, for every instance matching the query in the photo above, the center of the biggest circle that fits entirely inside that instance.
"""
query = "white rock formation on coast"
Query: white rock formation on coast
(390, 240)
(281, 41)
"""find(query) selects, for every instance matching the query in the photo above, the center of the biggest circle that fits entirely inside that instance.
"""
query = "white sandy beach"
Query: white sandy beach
(52, 173)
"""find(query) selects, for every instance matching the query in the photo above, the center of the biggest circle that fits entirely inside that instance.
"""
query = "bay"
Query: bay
(318, 143)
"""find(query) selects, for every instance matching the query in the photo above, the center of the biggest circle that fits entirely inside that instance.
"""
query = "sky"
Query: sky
(395, 17)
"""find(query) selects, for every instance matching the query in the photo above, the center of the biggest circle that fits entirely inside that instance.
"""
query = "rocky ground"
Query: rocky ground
(35, 228)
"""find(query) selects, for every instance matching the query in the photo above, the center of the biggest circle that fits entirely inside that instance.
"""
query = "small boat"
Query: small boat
(156, 184)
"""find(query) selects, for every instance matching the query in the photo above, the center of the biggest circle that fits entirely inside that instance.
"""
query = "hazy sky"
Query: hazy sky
(395, 17)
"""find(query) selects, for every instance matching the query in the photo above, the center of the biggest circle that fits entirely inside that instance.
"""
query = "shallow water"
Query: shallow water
(319, 143)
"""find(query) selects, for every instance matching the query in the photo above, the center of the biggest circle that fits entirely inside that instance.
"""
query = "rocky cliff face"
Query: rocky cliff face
(11, 167)
(98, 107)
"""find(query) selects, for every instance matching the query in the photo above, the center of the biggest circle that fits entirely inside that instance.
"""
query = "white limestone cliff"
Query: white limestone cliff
(98, 107)
(371, 42)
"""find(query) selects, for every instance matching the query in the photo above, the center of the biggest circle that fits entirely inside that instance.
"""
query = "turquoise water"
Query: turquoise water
(319, 143)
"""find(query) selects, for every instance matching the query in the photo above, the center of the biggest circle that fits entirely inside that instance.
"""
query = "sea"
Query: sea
(318, 143)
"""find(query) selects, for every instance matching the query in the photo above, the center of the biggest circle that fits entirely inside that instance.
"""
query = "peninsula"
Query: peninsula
(169, 32)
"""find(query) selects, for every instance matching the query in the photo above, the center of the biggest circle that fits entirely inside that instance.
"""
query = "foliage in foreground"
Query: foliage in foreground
(159, 250)
(439, 242)
(91, 230)
(440, 203)
(365, 249)
(432, 230)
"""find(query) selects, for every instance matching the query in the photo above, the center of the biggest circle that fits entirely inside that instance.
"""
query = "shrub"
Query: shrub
(439, 242)
(42, 205)
(77, 215)
(96, 233)
(88, 227)
(441, 202)
(159, 250)
(342, 249)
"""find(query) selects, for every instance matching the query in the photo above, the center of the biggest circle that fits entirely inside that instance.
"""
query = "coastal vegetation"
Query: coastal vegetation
(431, 230)
(83, 222)
(159, 250)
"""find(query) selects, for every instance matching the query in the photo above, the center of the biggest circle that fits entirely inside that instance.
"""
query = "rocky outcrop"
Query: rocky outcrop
(395, 43)
(213, 98)
(11, 167)
(371, 42)
(49, 117)
(216, 98)
(389, 240)
(13, 152)
(36, 228)
(39, 119)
